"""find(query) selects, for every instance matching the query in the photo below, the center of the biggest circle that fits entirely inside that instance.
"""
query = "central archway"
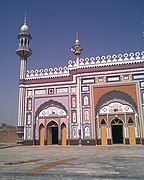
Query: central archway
(117, 131)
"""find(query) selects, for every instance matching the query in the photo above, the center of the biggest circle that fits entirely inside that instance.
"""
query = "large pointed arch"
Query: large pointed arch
(50, 103)
(112, 95)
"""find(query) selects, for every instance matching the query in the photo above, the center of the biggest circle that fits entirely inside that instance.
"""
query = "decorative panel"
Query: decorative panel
(126, 77)
(40, 92)
(87, 81)
(61, 90)
(86, 115)
(85, 100)
(29, 104)
(138, 76)
(86, 132)
(74, 132)
(100, 79)
(142, 97)
(73, 116)
(51, 91)
(85, 88)
(115, 107)
(29, 93)
(73, 101)
(113, 78)
(28, 118)
(142, 84)
(28, 133)
(73, 89)
(52, 111)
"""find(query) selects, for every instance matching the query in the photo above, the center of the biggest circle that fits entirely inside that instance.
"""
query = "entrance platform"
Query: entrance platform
(72, 162)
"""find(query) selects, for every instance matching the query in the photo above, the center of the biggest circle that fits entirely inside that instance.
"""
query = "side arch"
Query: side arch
(52, 114)
(50, 103)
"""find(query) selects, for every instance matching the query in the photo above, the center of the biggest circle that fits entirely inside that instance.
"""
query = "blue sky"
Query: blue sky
(104, 26)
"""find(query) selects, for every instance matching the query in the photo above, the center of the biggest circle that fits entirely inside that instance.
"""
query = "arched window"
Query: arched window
(86, 100)
(130, 121)
(87, 132)
(25, 42)
(86, 115)
(21, 42)
(74, 117)
(103, 122)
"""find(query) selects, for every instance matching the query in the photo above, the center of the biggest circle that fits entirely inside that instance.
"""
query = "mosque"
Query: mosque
(92, 101)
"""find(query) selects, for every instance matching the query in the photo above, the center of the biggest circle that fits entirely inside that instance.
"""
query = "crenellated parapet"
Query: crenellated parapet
(107, 60)
(91, 62)
(48, 73)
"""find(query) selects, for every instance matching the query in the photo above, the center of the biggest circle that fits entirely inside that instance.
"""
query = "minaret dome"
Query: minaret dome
(24, 28)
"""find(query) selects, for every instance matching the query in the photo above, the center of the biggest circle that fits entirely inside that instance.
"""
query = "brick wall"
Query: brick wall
(8, 135)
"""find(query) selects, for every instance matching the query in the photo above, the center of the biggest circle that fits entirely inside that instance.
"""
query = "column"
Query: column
(79, 109)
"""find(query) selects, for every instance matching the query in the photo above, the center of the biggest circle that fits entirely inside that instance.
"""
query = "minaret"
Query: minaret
(143, 35)
(77, 49)
(23, 52)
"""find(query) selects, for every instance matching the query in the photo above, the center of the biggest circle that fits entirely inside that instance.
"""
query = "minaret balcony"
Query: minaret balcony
(24, 52)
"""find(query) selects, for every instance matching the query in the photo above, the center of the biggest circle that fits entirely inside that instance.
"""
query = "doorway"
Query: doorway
(52, 133)
(117, 134)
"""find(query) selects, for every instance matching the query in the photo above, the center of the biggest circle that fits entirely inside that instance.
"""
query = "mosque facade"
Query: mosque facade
(92, 101)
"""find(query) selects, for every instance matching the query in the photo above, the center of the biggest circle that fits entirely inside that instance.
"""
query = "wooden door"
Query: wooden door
(131, 130)
(42, 135)
(63, 134)
(103, 135)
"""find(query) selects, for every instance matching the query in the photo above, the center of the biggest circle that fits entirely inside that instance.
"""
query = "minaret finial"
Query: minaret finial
(25, 18)
(77, 48)
(76, 35)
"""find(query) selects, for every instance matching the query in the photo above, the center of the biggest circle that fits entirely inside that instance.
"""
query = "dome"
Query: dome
(24, 28)
(77, 41)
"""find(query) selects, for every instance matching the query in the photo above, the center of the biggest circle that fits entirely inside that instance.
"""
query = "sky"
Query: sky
(105, 27)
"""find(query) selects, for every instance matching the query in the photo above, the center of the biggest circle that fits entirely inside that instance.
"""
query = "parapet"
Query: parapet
(91, 62)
